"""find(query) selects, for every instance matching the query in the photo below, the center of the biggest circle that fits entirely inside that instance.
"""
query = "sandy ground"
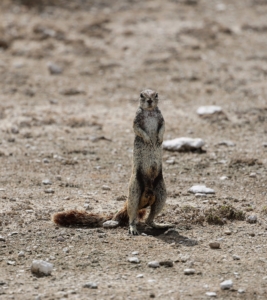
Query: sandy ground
(75, 129)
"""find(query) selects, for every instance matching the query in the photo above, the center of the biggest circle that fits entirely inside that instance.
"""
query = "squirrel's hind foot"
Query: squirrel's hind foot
(159, 225)
(133, 230)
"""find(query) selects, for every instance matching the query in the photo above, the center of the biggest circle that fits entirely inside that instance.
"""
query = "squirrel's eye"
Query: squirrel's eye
(142, 96)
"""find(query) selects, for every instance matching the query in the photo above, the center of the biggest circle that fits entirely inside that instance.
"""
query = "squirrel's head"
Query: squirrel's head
(148, 99)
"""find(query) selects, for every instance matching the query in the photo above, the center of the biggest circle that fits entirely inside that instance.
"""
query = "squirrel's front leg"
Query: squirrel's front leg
(140, 132)
(161, 133)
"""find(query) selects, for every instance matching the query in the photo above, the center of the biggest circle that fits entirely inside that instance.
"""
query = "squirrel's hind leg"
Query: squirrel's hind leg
(133, 204)
(157, 206)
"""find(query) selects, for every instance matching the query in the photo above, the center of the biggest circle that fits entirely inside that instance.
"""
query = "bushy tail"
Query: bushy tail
(82, 218)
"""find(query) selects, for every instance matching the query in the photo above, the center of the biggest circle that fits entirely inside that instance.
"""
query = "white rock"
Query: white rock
(135, 253)
(236, 257)
(183, 144)
(170, 161)
(202, 189)
(21, 254)
(211, 294)
(90, 285)
(105, 188)
(2, 239)
(253, 175)
(153, 264)
(241, 291)
(110, 224)
(140, 276)
(189, 271)
(226, 143)
(46, 182)
(54, 68)
(226, 285)
(252, 219)
(11, 262)
(223, 178)
(41, 267)
(134, 260)
(208, 110)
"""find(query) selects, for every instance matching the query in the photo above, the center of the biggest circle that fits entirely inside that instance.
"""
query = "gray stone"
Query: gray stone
(252, 219)
(183, 144)
(189, 271)
(153, 264)
(54, 69)
(236, 257)
(46, 182)
(2, 239)
(105, 188)
(134, 260)
(49, 191)
(208, 110)
(21, 254)
(211, 294)
(90, 285)
(215, 245)
(166, 263)
(110, 224)
(202, 189)
(241, 291)
(226, 285)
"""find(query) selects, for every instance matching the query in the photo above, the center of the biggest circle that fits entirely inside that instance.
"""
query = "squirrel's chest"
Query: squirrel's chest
(150, 123)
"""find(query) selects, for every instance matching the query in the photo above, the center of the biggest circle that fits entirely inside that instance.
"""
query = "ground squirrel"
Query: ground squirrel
(147, 187)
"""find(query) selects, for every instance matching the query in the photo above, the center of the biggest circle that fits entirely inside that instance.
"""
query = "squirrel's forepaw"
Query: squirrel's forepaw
(133, 230)
(160, 225)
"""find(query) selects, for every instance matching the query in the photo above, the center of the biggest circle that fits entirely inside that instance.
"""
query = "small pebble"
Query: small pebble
(140, 276)
(241, 291)
(252, 219)
(134, 260)
(110, 224)
(135, 253)
(189, 271)
(46, 161)
(236, 257)
(211, 294)
(54, 69)
(41, 267)
(170, 161)
(208, 110)
(46, 182)
(228, 232)
(226, 285)
(215, 245)
(11, 262)
(49, 191)
(90, 285)
(153, 264)
(2, 239)
(166, 263)
(21, 254)
(15, 130)
(201, 189)
(253, 175)
(105, 188)
(224, 178)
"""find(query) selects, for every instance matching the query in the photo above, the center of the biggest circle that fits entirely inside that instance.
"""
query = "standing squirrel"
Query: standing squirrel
(147, 187)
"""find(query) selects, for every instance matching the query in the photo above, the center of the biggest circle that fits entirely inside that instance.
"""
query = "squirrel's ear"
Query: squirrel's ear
(157, 95)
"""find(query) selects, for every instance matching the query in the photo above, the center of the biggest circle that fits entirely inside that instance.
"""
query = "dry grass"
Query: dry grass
(219, 215)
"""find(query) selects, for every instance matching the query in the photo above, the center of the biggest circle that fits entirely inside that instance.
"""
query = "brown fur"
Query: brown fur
(82, 218)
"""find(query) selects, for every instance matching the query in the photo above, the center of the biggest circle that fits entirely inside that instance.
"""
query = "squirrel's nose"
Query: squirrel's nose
(149, 101)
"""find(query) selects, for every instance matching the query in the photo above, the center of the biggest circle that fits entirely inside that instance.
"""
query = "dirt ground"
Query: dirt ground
(70, 77)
